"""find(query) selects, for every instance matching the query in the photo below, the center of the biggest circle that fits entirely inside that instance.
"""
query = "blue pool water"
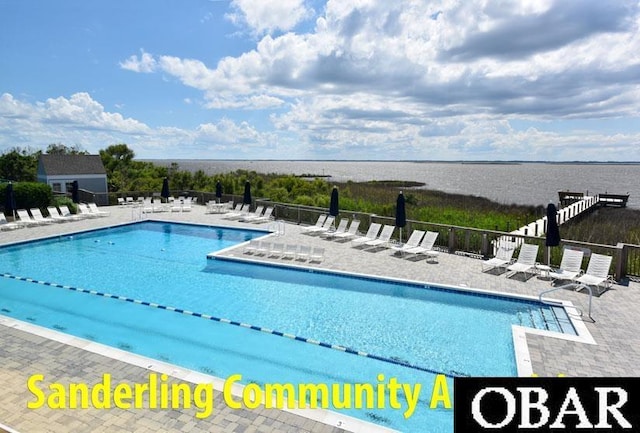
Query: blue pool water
(435, 329)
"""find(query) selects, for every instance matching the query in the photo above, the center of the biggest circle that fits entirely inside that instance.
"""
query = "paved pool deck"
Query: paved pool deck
(616, 334)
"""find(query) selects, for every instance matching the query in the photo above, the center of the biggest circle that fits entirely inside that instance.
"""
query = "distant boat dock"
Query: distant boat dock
(617, 200)
(573, 204)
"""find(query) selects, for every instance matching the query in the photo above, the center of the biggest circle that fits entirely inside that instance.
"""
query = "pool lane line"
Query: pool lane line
(239, 324)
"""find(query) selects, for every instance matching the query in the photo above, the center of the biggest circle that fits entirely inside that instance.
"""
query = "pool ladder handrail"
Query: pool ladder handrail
(576, 286)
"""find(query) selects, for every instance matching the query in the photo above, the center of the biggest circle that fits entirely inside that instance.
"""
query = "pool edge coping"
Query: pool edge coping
(324, 416)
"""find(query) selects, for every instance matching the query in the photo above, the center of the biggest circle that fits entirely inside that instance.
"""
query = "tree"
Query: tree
(116, 155)
(61, 149)
(117, 160)
(19, 165)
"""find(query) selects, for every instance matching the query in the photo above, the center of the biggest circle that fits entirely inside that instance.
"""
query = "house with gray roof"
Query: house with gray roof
(59, 172)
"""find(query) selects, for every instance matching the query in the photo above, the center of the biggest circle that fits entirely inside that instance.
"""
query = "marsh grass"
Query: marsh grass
(436, 206)
(607, 225)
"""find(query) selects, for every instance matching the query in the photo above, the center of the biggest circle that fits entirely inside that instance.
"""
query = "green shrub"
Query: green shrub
(29, 194)
(65, 201)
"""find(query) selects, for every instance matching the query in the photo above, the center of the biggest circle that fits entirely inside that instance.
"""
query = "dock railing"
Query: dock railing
(472, 242)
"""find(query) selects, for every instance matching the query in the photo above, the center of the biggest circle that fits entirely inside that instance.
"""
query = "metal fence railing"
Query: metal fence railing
(475, 242)
(453, 239)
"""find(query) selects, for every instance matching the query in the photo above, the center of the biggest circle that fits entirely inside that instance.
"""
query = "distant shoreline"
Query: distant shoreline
(480, 162)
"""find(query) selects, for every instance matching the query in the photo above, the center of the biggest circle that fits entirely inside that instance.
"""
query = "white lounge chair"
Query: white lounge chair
(66, 213)
(37, 216)
(175, 206)
(94, 209)
(526, 260)
(597, 273)
(317, 254)
(290, 250)
(263, 248)
(371, 234)
(277, 249)
(26, 219)
(83, 209)
(186, 204)
(412, 242)
(350, 233)
(147, 205)
(503, 257)
(239, 211)
(569, 266)
(383, 239)
(265, 217)
(251, 247)
(304, 251)
(235, 212)
(321, 219)
(54, 214)
(342, 227)
(7, 225)
(249, 215)
(155, 205)
(426, 246)
(326, 226)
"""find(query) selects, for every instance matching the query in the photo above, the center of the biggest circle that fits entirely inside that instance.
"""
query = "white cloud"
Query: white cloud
(145, 63)
(268, 16)
(81, 120)
(439, 79)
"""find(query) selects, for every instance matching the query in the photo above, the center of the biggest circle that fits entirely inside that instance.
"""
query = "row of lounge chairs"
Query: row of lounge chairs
(284, 251)
(34, 217)
(597, 273)
(377, 236)
(156, 205)
(140, 201)
(241, 212)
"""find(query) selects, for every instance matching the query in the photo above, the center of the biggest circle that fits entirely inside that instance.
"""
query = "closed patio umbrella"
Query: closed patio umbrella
(246, 198)
(218, 191)
(333, 204)
(401, 215)
(75, 196)
(10, 200)
(165, 189)
(553, 232)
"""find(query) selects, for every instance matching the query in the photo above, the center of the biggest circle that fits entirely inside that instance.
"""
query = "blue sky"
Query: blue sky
(344, 79)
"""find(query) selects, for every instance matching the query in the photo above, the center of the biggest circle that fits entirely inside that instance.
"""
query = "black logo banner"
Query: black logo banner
(534, 404)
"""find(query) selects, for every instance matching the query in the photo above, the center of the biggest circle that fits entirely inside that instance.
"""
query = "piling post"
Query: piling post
(485, 246)
(622, 255)
(452, 240)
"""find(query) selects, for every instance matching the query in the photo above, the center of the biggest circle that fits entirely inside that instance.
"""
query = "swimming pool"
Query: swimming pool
(434, 329)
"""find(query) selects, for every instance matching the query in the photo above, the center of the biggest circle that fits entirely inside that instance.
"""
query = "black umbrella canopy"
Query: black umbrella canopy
(553, 232)
(165, 189)
(74, 192)
(401, 215)
(246, 199)
(218, 190)
(10, 200)
(333, 205)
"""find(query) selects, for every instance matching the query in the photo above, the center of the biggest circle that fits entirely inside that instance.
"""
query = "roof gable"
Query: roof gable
(52, 165)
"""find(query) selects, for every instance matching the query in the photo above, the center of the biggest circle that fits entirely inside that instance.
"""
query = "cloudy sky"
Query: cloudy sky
(311, 79)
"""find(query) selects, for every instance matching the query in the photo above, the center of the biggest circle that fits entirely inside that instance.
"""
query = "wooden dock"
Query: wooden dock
(567, 198)
(573, 204)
